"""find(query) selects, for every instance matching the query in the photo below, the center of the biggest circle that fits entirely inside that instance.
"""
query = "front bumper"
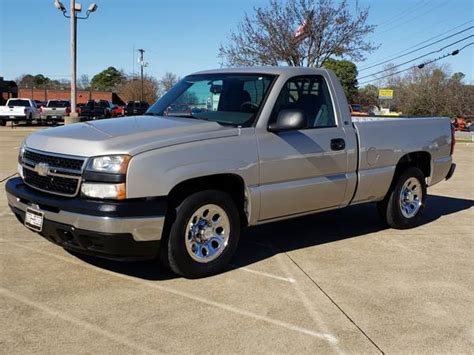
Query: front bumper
(129, 229)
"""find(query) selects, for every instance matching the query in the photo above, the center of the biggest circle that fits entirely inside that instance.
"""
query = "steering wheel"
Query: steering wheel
(249, 106)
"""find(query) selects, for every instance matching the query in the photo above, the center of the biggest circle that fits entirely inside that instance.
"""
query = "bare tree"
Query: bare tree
(130, 89)
(167, 81)
(84, 82)
(267, 37)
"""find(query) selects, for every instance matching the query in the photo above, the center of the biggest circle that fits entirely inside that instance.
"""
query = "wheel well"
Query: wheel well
(421, 160)
(229, 183)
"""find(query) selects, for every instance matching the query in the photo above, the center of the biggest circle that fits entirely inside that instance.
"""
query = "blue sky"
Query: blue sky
(183, 36)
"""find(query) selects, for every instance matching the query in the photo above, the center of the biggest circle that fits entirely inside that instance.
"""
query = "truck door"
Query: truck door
(303, 170)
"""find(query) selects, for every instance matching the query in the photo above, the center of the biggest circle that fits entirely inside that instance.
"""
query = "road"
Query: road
(337, 282)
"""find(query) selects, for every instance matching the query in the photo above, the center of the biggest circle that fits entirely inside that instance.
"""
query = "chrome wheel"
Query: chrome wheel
(207, 233)
(411, 197)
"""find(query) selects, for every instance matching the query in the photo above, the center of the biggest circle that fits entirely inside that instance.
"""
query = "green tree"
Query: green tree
(107, 80)
(347, 73)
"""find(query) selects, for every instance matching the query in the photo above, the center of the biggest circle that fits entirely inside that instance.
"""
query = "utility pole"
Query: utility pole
(142, 63)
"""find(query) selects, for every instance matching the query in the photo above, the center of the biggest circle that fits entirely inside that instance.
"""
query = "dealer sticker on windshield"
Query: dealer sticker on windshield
(34, 219)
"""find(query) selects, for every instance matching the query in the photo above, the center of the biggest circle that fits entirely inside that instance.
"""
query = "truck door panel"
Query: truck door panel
(303, 170)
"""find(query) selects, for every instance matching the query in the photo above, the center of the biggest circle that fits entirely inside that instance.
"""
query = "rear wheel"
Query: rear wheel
(404, 204)
(204, 234)
(3, 123)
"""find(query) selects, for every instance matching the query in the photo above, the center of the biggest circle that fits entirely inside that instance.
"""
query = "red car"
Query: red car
(118, 111)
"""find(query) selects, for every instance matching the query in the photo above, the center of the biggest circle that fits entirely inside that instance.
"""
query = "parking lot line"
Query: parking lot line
(331, 339)
(78, 322)
(265, 274)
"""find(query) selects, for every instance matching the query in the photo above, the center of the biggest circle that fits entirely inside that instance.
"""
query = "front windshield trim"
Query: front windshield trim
(171, 98)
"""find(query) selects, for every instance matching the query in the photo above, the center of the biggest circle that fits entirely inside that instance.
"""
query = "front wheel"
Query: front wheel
(204, 234)
(404, 204)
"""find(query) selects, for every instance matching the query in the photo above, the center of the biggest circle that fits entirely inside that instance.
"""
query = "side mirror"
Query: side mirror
(289, 120)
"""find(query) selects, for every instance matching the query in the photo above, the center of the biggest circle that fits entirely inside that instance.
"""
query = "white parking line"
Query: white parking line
(261, 273)
(86, 325)
(324, 336)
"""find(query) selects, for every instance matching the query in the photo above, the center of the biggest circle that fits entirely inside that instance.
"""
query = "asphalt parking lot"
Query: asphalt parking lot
(335, 282)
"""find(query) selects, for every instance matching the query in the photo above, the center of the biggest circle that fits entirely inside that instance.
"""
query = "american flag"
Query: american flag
(301, 31)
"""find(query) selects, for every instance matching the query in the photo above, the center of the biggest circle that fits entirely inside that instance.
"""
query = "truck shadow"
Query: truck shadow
(262, 242)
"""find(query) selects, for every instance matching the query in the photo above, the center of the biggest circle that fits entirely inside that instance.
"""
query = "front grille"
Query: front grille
(53, 184)
(63, 174)
(53, 161)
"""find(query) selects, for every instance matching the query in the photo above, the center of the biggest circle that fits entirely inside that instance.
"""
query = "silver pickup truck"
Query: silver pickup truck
(249, 146)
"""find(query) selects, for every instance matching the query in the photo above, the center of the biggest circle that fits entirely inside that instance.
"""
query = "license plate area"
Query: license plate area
(34, 219)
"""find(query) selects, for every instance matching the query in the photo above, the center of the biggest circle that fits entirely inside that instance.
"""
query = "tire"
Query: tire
(197, 247)
(3, 123)
(402, 209)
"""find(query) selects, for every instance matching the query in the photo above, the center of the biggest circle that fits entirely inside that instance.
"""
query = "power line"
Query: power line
(419, 57)
(415, 50)
(411, 19)
(420, 66)
(398, 16)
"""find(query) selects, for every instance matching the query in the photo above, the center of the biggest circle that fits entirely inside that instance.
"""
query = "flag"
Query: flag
(302, 30)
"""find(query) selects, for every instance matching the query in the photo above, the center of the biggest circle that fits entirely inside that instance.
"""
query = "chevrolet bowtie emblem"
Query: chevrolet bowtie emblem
(42, 169)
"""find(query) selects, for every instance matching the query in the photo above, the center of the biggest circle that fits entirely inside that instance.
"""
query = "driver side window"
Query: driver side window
(309, 94)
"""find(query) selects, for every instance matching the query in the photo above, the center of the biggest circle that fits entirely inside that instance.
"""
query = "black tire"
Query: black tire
(3, 123)
(390, 208)
(178, 258)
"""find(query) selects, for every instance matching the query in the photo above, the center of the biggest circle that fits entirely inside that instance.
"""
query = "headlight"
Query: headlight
(115, 164)
(105, 191)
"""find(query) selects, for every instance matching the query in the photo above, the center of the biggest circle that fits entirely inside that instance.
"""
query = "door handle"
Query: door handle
(338, 144)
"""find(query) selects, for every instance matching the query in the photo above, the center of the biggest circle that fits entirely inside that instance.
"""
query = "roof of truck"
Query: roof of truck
(266, 70)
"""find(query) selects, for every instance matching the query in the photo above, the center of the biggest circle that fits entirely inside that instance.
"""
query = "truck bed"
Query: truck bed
(384, 140)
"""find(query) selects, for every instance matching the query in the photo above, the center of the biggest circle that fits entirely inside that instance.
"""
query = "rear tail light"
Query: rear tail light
(453, 139)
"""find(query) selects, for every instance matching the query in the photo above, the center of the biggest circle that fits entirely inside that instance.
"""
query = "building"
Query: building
(82, 95)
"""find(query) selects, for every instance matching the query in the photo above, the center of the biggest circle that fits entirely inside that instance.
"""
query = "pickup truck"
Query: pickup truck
(96, 109)
(261, 145)
(135, 108)
(16, 110)
(55, 110)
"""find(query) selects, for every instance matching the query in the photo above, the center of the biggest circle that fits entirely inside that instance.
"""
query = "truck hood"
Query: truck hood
(130, 135)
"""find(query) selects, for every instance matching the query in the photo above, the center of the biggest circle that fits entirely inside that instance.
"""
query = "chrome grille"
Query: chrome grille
(52, 173)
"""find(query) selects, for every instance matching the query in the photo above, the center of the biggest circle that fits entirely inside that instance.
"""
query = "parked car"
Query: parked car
(96, 109)
(55, 110)
(16, 110)
(40, 103)
(117, 111)
(136, 108)
(274, 143)
(178, 110)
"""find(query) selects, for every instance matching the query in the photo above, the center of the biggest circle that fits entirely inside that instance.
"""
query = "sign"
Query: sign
(385, 94)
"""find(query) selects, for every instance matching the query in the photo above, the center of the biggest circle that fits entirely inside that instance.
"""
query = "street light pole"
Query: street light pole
(142, 64)
(73, 113)
(75, 8)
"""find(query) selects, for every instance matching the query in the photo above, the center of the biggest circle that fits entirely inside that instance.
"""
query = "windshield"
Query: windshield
(58, 104)
(22, 103)
(226, 98)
